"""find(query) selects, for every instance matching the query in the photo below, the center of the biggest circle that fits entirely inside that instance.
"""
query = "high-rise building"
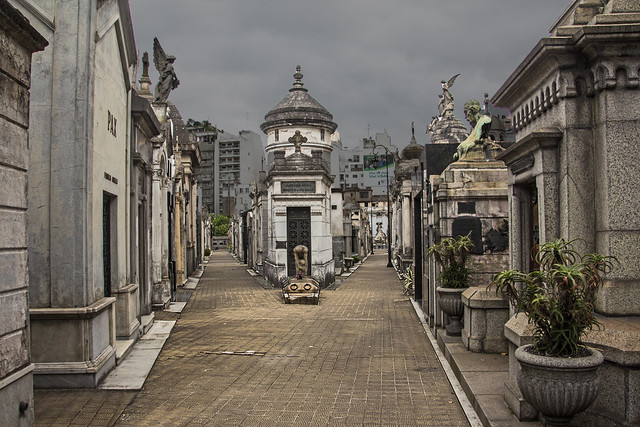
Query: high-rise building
(230, 163)
(237, 162)
(360, 167)
(205, 135)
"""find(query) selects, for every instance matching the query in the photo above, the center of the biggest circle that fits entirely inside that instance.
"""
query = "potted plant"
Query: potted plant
(451, 254)
(407, 280)
(559, 373)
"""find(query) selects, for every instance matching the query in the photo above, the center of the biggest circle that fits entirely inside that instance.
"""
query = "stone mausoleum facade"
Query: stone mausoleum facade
(295, 204)
(573, 173)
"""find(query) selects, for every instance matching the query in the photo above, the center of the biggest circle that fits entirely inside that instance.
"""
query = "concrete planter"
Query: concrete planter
(450, 302)
(558, 387)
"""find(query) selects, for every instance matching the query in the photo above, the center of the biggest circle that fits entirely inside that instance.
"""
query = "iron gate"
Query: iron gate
(298, 233)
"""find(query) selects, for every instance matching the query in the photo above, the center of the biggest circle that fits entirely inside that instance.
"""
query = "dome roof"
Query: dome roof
(298, 108)
(413, 150)
(448, 129)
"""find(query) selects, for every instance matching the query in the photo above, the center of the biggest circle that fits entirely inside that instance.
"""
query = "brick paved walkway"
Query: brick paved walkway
(359, 358)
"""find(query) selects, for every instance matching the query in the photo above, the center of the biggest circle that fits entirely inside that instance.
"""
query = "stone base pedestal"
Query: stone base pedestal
(160, 295)
(73, 347)
(16, 390)
(618, 403)
(518, 333)
(276, 274)
(485, 314)
(324, 274)
(127, 324)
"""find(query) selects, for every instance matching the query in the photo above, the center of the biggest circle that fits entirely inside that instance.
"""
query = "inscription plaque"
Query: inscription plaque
(298, 186)
(522, 164)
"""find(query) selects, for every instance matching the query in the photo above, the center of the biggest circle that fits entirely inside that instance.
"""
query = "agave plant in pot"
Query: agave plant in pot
(559, 373)
(451, 254)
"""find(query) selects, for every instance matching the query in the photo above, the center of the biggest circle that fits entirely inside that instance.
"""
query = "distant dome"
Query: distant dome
(413, 150)
(298, 108)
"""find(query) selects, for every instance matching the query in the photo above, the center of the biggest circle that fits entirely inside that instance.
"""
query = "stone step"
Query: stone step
(146, 322)
(123, 348)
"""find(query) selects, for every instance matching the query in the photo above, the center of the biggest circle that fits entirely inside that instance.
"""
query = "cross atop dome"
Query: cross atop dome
(297, 139)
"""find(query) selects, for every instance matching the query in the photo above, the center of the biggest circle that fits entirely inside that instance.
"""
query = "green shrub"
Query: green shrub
(559, 297)
(451, 254)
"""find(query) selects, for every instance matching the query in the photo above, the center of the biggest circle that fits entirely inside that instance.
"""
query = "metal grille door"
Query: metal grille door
(106, 244)
(298, 233)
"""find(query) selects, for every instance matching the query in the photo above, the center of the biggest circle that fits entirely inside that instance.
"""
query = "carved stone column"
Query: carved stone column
(158, 226)
(406, 224)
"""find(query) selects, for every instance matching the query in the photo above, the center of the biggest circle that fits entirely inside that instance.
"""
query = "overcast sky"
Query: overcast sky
(374, 64)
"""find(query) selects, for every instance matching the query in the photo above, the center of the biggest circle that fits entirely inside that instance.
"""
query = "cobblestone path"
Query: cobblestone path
(239, 356)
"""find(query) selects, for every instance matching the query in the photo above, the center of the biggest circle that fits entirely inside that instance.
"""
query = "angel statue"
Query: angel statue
(446, 100)
(164, 64)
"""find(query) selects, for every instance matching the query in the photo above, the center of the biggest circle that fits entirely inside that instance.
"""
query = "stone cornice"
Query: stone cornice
(586, 62)
(72, 312)
(538, 139)
(12, 21)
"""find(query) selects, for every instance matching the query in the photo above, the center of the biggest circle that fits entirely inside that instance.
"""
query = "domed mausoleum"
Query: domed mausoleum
(298, 186)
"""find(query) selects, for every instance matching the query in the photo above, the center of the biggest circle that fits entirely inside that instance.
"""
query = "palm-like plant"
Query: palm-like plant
(559, 297)
(451, 253)
(407, 280)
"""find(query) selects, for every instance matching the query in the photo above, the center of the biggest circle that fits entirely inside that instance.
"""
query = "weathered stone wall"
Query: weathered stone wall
(574, 103)
(78, 147)
(18, 40)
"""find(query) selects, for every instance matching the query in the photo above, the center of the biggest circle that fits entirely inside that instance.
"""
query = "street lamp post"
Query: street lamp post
(388, 204)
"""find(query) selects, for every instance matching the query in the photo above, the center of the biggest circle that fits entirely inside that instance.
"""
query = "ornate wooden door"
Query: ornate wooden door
(298, 233)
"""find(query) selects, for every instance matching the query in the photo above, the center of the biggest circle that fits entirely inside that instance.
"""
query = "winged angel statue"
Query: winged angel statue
(446, 99)
(164, 64)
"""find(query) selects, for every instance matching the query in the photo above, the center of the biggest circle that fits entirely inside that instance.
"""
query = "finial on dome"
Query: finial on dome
(413, 134)
(298, 76)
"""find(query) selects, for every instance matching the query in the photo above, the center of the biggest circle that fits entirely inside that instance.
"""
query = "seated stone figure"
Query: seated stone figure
(472, 148)
(300, 254)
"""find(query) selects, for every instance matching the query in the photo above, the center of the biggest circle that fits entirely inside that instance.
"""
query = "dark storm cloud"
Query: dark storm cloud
(369, 62)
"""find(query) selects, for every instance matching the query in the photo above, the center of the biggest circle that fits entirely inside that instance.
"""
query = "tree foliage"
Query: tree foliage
(220, 225)
(206, 124)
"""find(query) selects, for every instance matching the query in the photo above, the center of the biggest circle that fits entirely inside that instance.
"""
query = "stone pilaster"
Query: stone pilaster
(19, 40)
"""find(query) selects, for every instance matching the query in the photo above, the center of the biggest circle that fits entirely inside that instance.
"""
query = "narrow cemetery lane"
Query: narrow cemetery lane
(359, 358)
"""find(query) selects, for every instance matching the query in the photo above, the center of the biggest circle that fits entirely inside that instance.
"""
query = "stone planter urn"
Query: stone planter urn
(450, 301)
(558, 387)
